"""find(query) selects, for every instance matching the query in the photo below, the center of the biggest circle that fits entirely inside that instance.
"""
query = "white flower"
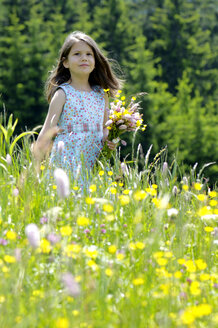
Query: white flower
(124, 169)
(8, 159)
(63, 184)
(122, 127)
(109, 122)
(33, 235)
(172, 212)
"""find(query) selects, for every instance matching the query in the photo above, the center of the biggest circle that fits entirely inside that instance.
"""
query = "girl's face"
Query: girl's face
(81, 60)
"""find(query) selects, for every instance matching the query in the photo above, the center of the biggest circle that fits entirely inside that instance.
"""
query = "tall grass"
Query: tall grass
(139, 247)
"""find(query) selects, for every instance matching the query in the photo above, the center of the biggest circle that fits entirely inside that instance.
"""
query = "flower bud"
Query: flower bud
(33, 235)
(8, 159)
(63, 184)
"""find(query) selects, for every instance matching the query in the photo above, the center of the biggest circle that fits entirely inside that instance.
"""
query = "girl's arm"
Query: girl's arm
(49, 129)
(110, 144)
(54, 112)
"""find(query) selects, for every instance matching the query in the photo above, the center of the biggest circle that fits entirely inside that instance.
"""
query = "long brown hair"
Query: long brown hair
(102, 75)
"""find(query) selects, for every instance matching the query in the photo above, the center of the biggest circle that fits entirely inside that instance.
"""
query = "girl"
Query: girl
(78, 104)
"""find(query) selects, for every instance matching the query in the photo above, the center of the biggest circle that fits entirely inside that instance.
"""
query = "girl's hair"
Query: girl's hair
(102, 74)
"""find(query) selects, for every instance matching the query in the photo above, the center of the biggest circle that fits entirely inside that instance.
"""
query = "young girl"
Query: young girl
(78, 104)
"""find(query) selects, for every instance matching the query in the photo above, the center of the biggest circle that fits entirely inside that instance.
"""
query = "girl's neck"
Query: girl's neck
(80, 84)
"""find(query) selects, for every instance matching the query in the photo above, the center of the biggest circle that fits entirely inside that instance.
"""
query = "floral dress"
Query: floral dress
(79, 143)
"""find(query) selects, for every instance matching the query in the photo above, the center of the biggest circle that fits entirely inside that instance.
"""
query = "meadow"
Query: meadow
(137, 249)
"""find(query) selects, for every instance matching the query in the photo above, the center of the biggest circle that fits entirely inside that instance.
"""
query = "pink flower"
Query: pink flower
(109, 122)
(63, 183)
(123, 142)
(33, 235)
(72, 287)
(15, 192)
(120, 122)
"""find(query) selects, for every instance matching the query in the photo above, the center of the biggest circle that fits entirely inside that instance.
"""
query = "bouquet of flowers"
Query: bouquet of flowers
(122, 118)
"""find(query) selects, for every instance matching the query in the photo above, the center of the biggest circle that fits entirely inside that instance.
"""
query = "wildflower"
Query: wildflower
(172, 212)
(60, 146)
(198, 186)
(185, 187)
(101, 173)
(92, 188)
(123, 142)
(110, 173)
(175, 190)
(72, 287)
(110, 217)
(201, 197)
(108, 272)
(63, 184)
(9, 259)
(53, 238)
(62, 323)
(206, 210)
(213, 203)
(124, 200)
(161, 261)
(113, 190)
(126, 192)
(190, 266)
(11, 235)
(91, 251)
(75, 313)
(138, 281)
(187, 317)
(204, 277)
(208, 229)
(82, 221)
(92, 264)
(108, 208)
(139, 195)
(42, 167)
(212, 194)
(201, 264)
(43, 220)
(194, 288)
(178, 274)
(33, 235)
(45, 246)
(90, 201)
(112, 249)
(140, 245)
(66, 230)
(15, 192)
(120, 256)
(165, 168)
(3, 242)
(72, 249)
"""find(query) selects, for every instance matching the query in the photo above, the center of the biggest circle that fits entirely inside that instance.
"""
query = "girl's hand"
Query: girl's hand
(111, 144)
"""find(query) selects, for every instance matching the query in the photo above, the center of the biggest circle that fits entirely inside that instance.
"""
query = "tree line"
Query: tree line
(165, 48)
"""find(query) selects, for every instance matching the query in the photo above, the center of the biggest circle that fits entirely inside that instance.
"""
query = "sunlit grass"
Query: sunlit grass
(133, 249)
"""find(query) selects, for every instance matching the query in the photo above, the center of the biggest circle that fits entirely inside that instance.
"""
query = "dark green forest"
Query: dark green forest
(167, 48)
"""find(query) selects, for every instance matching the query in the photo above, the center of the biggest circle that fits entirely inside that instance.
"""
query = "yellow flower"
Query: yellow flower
(208, 229)
(178, 274)
(204, 277)
(110, 173)
(201, 264)
(190, 266)
(139, 195)
(185, 187)
(42, 167)
(202, 310)
(140, 245)
(197, 186)
(112, 249)
(138, 281)
(72, 249)
(75, 313)
(62, 323)
(126, 192)
(66, 230)
(162, 261)
(201, 197)
(123, 98)
(101, 173)
(11, 235)
(151, 191)
(90, 201)
(92, 264)
(124, 200)
(2, 298)
(213, 203)
(108, 208)
(205, 211)
(194, 288)
(75, 188)
(45, 246)
(212, 194)
(168, 254)
(132, 246)
(91, 252)
(9, 259)
(92, 188)
(54, 187)
(108, 272)
(120, 256)
(187, 317)
(113, 190)
(38, 293)
(133, 98)
(82, 221)
(157, 255)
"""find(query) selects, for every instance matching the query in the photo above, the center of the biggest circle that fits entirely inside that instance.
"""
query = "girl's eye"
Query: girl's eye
(76, 53)
(89, 54)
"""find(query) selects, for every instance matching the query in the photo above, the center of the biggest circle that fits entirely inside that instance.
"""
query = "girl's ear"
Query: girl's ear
(65, 62)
